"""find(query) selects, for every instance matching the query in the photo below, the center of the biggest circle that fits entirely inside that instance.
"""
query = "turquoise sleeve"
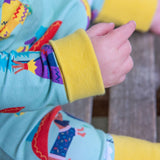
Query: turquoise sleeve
(30, 80)
(30, 77)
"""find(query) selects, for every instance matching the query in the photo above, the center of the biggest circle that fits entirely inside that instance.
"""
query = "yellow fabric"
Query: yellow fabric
(87, 7)
(79, 65)
(13, 14)
(127, 148)
(122, 11)
(8, 9)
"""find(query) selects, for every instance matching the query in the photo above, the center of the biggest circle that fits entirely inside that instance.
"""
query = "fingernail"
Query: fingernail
(111, 24)
(133, 22)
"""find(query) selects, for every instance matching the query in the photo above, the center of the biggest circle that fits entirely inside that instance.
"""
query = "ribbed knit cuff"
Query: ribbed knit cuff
(79, 66)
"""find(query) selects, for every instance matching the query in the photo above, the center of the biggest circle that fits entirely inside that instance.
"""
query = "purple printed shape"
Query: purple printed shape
(88, 23)
(7, 1)
(51, 72)
(48, 49)
(56, 75)
(32, 40)
(94, 14)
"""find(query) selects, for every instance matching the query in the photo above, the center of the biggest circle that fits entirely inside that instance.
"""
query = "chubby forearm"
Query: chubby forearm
(63, 70)
(30, 79)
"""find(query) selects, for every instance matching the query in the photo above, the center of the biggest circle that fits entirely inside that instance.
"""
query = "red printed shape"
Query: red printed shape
(40, 140)
(49, 34)
(12, 110)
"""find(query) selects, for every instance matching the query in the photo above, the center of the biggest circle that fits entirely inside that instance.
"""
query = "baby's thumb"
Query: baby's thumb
(100, 29)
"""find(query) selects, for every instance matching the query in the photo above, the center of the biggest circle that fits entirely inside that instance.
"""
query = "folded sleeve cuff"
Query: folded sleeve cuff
(133, 149)
(122, 11)
(79, 66)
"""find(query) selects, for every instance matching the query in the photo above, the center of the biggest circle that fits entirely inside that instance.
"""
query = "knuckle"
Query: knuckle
(129, 65)
(129, 47)
(131, 62)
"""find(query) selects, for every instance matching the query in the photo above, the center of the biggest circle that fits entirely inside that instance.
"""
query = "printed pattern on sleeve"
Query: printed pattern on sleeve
(31, 69)
(109, 153)
(13, 14)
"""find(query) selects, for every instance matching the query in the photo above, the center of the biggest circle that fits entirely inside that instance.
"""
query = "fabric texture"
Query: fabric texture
(132, 149)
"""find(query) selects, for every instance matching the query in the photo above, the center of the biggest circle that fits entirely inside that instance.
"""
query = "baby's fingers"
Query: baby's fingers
(121, 34)
(100, 29)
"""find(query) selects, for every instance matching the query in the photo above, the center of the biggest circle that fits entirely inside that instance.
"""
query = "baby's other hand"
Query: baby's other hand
(112, 49)
(155, 26)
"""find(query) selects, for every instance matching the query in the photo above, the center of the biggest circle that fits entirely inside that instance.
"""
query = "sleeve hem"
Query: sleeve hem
(79, 66)
(132, 148)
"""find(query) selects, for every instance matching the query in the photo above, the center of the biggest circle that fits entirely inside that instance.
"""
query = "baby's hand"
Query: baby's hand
(155, 27)
(112, 49)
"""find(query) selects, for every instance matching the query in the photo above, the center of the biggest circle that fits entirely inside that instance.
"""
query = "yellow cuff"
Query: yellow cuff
(128, 148)
(79, 66)
(122, 11)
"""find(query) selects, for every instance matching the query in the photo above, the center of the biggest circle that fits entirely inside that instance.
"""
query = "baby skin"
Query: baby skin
(114, 56)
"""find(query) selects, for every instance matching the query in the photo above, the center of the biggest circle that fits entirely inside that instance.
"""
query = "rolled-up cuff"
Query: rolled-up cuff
(79, 66)
(135, 149)
(122, 11)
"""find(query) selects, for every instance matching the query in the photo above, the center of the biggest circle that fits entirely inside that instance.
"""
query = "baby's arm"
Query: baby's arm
(32, 81)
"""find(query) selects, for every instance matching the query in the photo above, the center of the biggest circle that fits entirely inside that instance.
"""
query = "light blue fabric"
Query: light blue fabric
(31, 85)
